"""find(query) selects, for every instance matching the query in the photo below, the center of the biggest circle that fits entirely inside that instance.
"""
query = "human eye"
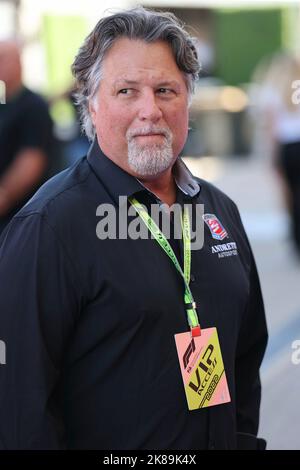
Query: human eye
(125, 91)
(165, 91)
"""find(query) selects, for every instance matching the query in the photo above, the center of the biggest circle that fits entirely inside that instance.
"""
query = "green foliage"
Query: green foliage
(243, 37)
(62, 36)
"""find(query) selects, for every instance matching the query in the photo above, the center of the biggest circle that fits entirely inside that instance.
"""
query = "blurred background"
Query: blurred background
(244, 137)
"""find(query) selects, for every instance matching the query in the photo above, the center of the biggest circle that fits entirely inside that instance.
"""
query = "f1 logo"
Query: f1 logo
(188, 353)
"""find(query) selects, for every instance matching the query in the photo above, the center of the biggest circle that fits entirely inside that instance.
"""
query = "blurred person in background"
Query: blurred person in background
(26, 140)
(77, 143)
(281, 116)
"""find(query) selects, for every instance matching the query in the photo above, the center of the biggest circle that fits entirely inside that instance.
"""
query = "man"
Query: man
(89, 323)
(25, 136)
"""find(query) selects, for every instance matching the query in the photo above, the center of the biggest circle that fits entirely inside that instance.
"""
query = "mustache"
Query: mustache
(131, 133)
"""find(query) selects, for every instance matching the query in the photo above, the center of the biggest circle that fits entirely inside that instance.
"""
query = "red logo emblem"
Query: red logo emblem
(216, 228)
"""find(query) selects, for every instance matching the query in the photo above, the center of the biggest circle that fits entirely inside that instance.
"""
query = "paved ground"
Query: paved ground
(256, 190)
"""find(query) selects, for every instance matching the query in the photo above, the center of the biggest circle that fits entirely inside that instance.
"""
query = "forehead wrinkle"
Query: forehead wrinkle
(156, 81)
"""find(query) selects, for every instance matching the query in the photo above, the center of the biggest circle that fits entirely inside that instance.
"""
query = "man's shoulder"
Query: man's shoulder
(211, 193)
(60, 194)
(225, 211)
(219, 203)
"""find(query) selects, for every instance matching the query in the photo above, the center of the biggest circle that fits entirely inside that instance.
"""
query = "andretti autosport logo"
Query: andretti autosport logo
(217, 230)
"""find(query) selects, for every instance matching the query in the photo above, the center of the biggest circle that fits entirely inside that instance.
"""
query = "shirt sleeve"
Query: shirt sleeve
(251, 347)
(39, 301)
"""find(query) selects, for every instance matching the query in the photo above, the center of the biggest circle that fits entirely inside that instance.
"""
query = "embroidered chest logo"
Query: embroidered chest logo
(225, 249)
(217, 230)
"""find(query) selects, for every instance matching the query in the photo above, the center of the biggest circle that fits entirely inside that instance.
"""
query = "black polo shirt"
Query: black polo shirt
(89, 324)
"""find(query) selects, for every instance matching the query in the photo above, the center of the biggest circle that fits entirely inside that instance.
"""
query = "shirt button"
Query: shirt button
(192, 278)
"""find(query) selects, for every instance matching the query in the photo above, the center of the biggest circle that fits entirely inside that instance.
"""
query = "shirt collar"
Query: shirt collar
(120, 183)
(184, 179)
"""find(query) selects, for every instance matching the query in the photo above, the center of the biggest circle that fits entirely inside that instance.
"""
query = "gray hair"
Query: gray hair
(137, 23)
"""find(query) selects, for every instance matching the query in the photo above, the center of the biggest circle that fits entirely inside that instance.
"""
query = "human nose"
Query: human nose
(149, 109)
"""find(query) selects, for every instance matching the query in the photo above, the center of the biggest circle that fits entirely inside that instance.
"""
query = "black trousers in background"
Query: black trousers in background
(290, 164)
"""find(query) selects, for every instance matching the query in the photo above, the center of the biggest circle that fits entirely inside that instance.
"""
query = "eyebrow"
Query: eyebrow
(121, 82)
